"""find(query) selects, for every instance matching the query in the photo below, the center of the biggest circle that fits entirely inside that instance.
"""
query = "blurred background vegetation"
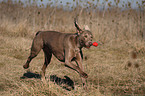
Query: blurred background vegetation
(114, 17)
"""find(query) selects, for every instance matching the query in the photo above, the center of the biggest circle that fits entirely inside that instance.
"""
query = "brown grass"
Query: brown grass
(107, 65)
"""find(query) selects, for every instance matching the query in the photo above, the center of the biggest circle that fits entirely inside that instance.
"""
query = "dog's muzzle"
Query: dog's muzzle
(88, 44)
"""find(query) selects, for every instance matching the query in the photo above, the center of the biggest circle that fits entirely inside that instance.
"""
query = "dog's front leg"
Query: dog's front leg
(69, 55)
(79, 62)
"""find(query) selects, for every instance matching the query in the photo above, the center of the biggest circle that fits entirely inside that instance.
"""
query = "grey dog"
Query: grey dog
(66, 47)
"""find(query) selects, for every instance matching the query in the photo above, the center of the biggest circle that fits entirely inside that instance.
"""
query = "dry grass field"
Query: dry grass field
(115, 68)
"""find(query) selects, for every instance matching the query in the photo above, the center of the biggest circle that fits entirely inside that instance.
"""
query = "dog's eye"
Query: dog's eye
(85, 36)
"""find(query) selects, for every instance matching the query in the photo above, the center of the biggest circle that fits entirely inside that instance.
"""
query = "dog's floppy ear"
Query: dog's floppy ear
(86, 27)
(79, 30)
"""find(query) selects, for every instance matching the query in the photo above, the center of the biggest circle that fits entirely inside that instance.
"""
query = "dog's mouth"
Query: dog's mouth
(88, 47)
(88, 44)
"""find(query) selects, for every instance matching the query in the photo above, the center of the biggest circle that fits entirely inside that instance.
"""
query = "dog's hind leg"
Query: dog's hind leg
(48, 55)
(35, 49)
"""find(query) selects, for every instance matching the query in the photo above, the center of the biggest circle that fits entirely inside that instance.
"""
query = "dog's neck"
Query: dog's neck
(78, 41)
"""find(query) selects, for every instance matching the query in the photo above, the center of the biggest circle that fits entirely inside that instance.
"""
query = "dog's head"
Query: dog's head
(85, 36)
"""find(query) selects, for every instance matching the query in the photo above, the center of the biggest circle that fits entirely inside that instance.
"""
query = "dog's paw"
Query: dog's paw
(43, 80)
(84, 75)
(85, 88)
(25, 66)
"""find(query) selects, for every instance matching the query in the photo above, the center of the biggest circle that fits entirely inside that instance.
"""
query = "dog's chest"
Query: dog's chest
(77, 51)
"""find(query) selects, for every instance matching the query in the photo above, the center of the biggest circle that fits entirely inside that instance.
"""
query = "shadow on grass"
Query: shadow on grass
(66, 83)
(31, 75)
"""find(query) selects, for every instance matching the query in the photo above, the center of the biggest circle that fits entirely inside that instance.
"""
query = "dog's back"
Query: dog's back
(54, 41)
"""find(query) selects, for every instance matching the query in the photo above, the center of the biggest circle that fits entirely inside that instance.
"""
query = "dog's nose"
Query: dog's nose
(90, 43)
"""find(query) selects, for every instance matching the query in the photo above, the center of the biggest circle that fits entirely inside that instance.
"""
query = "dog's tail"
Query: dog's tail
(38, 33)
